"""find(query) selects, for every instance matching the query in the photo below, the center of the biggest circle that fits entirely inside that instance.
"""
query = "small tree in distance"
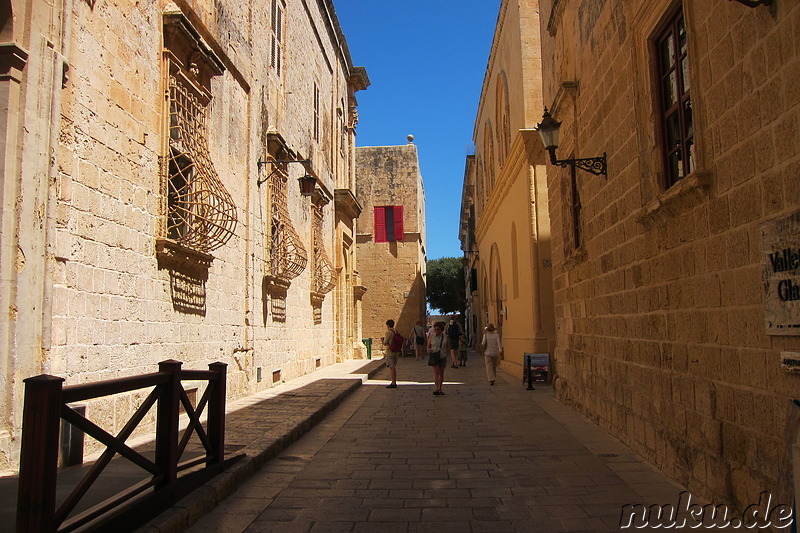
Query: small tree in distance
(446, 290)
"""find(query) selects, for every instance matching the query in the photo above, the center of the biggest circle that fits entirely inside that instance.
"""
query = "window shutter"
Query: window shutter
(380, 224)
(398, 223)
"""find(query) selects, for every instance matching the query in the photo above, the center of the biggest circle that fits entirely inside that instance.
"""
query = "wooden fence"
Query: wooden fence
(47, 403)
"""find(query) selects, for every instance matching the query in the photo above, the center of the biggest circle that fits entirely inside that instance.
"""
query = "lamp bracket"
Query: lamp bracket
(276, 163)
(593, 165)
(755, 3)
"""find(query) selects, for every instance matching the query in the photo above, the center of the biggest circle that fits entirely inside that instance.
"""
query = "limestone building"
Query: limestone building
(391, 238)
(676, 310)
(151, 210)
(505, 228)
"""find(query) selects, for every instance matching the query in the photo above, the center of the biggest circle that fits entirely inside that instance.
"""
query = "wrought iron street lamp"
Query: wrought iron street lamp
(548, 130)
(308, 183)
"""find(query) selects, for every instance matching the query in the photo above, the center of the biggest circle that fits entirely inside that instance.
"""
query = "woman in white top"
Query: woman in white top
(437, 355)
(492, 348)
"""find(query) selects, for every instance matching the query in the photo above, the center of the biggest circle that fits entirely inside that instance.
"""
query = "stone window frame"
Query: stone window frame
(661, 204)
(675, 115)
(198, 214)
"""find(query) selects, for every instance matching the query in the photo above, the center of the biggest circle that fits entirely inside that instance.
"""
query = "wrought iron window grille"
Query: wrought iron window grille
(287, 255)
(323, 273)
(201, 214)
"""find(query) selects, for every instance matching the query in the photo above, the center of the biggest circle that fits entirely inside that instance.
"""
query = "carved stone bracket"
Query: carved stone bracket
(174, 254)
(359, 291)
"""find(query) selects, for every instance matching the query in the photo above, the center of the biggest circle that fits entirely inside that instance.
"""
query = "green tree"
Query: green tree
(446, 290)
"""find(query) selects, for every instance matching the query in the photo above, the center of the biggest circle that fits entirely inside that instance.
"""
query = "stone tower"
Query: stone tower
(391, 237)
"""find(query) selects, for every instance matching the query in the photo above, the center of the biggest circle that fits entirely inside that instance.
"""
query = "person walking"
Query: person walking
(454, 331)
(418, 335)
(437, 356)
(394, 345)
(492, 348)
(462, 350)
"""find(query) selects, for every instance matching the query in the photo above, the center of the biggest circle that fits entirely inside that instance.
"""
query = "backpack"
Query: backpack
(397, 342)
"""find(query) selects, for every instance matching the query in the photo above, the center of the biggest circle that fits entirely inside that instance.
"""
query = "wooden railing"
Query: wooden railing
(47, 402)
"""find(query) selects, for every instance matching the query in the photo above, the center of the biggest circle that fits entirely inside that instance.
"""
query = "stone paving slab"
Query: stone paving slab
(478, 459)
(260, 426)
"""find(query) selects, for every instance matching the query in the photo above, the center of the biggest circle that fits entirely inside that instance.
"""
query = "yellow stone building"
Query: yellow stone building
(151, 209)
(505, 226)
(391, 239)
(677, 316)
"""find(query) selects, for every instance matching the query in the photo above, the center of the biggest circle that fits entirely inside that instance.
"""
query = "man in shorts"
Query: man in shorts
(390, 357)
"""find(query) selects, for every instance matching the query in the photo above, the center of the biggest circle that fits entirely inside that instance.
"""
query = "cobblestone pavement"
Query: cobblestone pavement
(478, 459)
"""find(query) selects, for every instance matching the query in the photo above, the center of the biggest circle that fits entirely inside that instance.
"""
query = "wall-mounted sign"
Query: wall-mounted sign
(780, 250)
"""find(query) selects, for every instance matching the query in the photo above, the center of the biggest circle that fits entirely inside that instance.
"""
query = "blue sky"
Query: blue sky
(426, 60)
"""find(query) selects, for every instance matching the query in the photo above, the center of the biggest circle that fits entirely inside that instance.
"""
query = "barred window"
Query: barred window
(287, 255)
(323, 280)
(200, 213)
(677, 132)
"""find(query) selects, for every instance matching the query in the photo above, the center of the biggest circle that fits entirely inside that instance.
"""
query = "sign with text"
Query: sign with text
(539, 366)
(780, 251)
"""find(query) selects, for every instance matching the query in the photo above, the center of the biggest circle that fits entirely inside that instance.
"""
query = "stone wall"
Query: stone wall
(120, 292)
(661, 311)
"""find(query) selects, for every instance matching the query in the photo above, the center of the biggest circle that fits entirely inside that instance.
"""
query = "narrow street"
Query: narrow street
(479, 458)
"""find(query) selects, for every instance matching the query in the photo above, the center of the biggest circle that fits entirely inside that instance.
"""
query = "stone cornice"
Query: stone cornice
(521, 154)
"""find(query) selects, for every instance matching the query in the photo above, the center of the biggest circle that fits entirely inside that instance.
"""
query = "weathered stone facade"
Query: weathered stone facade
(659, 295)
(393, 271)
(505, 227)
(145, 216)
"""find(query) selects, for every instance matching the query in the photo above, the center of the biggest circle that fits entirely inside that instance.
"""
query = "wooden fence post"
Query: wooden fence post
(216, 414)
(167, 423)
(38, 465)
